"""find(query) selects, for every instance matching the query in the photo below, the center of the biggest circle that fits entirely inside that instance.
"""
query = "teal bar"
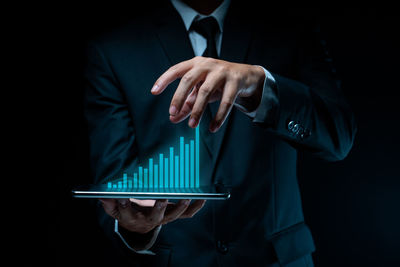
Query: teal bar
(171, 164)
(171, 169)
(191, 163)
(130, 184)
(114, 186)
(146, 178)
(119, 184)
(166, 173)
(176, 171)
(135, 180)
(186, 165)
(182, 158)
(141, 177)
(161, 164)
(151, 173)
(155, 175)
(125, 177)
(109, 185)
(197, 167)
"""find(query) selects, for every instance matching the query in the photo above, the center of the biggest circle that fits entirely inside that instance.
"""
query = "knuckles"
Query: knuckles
(211, 60)
(206, 89)
(195, 114)
(235, 76)
(115, 214)
(223, 68)
(226, 103)
(187, 78)
(200, 60)
(196, 59)
(172, 68)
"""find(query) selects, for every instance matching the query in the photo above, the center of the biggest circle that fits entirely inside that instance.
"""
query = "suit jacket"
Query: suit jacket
(262, 223)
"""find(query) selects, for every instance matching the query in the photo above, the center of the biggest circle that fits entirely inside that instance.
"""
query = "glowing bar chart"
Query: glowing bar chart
(179, 167)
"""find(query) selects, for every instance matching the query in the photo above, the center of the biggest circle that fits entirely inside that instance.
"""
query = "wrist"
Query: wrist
(260, 74)
(250, 102)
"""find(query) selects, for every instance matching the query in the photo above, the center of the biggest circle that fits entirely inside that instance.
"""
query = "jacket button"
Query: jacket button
(290, 125)
(295, 128)
(222, 247)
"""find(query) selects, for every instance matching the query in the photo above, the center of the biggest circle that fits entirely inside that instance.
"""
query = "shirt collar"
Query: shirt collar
(189, 15)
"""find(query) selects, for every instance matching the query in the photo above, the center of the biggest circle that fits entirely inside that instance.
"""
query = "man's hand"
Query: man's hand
(206, 80)
(142, 217)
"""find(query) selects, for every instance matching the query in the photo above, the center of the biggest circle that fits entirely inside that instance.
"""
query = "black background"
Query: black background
(352, 207)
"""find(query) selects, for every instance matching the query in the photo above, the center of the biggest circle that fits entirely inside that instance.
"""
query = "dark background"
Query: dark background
(352, 207)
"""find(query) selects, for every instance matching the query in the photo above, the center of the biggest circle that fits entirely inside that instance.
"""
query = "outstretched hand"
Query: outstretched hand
(205, 80)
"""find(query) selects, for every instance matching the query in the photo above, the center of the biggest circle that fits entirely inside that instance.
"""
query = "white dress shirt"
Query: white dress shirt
(199, 45)
(189, 15)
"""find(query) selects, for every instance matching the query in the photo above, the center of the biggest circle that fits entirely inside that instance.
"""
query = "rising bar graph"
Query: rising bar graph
(181, 162)
(177, 168)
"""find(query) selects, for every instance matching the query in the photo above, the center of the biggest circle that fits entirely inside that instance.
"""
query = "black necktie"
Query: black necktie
(208, 28)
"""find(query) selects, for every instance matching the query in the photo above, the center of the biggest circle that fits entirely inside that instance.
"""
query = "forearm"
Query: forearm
(304, 116)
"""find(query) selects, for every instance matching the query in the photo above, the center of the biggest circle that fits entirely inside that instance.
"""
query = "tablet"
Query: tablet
(217, 192)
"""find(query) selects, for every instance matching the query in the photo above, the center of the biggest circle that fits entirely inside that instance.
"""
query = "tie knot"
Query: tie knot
(207, 27)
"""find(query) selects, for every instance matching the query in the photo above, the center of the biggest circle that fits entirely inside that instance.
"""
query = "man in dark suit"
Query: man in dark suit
(262, 89)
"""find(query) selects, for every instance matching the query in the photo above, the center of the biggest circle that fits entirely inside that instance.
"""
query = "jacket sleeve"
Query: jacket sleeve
(111, 135)
(308, 110)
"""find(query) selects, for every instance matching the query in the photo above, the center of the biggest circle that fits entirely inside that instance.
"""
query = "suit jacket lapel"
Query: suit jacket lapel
(173, 36)
(236, 37)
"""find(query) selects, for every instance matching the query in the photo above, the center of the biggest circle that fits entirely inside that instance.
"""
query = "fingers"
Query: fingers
(193, 209)
(123, 202)
(228, 98)
(110, 207)
(157, 213)
(212, 80)
(145, 220)
(175, 212)
(188, 81)
(186, 109)
(204, 94)
(126, 212)
(129, 217)
(173, 73)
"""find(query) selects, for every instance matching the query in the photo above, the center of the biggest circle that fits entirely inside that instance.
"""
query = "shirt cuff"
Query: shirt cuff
(145, 250)
(269, 100)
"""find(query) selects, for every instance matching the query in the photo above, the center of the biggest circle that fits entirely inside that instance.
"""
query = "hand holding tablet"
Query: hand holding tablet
(142, 216)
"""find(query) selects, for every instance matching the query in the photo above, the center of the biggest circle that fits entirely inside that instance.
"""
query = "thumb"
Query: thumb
(110, 206)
